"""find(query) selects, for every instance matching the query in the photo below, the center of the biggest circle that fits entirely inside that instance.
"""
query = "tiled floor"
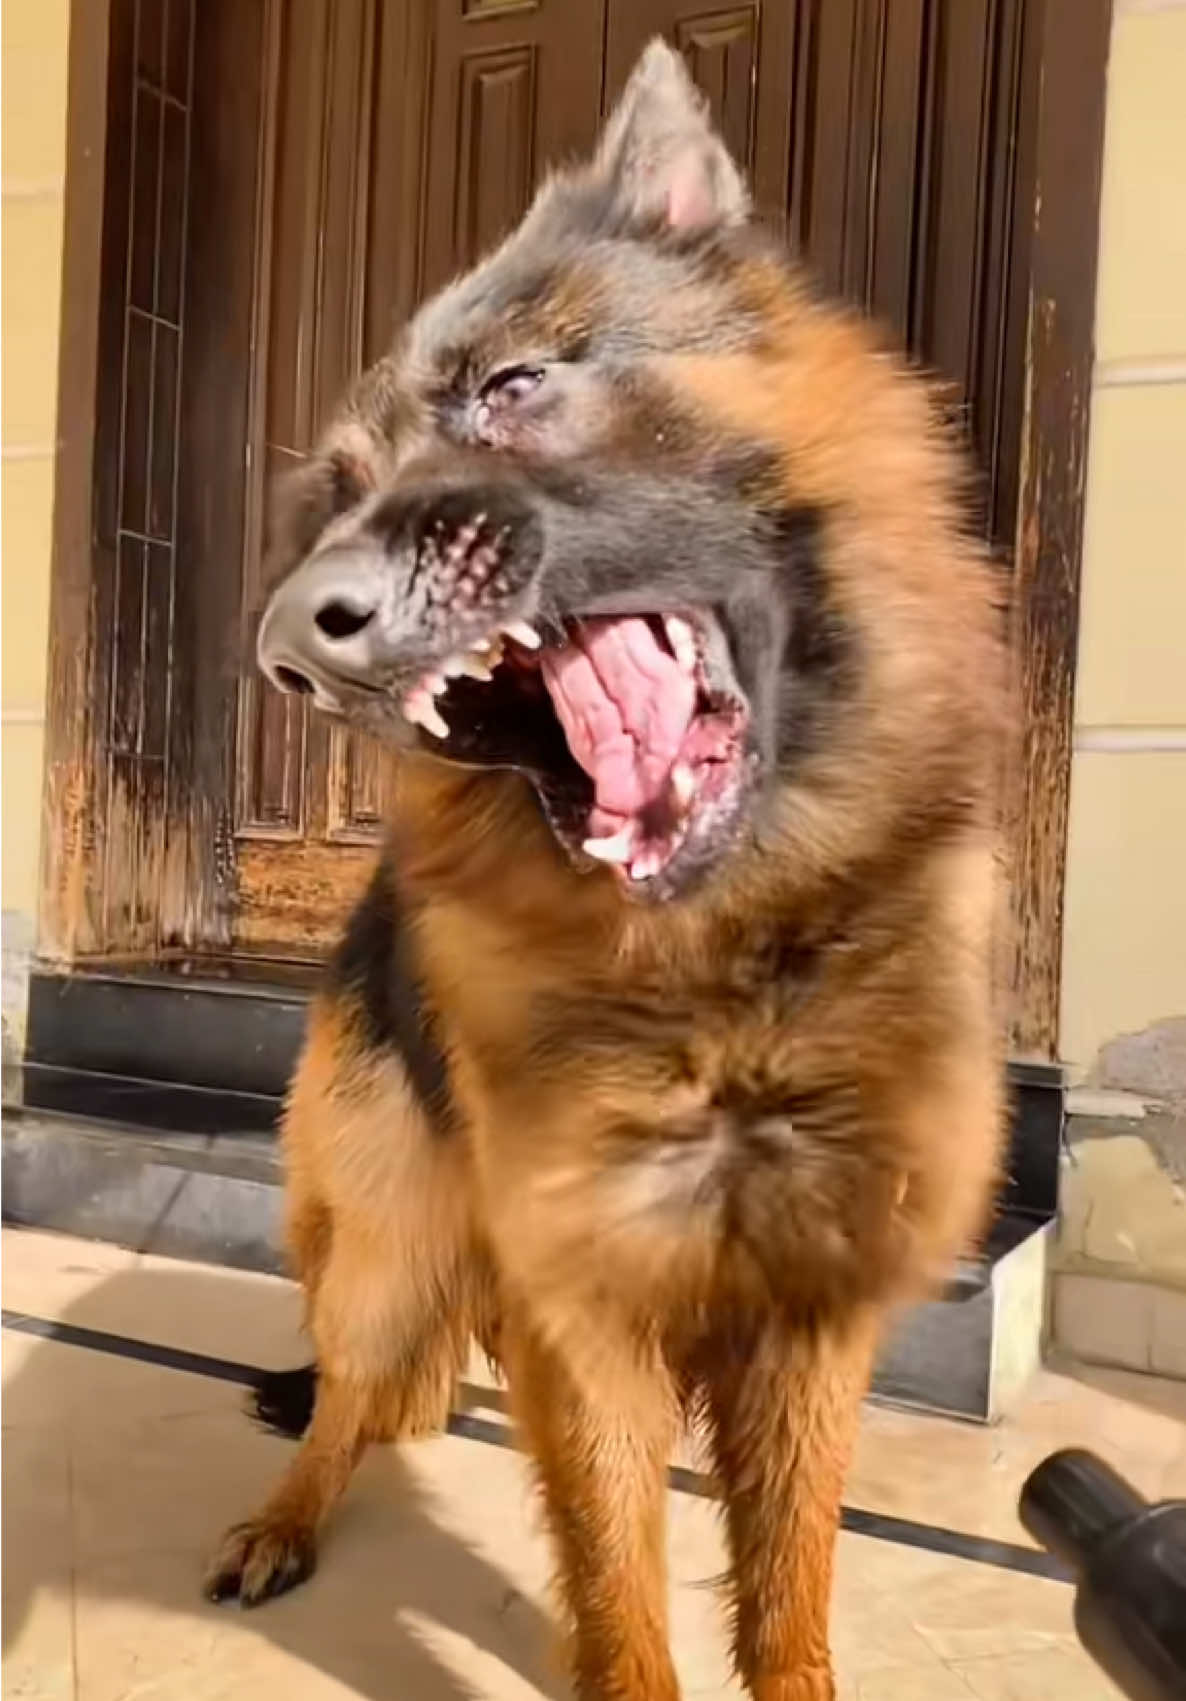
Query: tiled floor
(118, 1475)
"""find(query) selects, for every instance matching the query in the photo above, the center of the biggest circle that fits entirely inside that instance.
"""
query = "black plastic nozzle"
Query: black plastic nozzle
(1129, 1562)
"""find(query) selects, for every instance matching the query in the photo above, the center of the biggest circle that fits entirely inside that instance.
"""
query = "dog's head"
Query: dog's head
(525, 543)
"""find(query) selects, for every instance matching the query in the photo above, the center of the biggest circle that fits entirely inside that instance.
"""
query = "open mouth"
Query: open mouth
(631, 727)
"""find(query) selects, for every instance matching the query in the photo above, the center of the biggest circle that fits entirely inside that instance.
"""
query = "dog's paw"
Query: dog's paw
(258, 1560)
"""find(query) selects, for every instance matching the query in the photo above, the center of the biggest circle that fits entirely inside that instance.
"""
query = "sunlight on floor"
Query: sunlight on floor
(119, 1475)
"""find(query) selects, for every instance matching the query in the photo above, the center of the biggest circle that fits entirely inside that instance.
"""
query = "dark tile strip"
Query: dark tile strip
(880, 1526)
(123, 1346)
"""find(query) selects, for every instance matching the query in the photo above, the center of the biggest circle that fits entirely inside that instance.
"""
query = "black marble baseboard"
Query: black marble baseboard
(236, 1028)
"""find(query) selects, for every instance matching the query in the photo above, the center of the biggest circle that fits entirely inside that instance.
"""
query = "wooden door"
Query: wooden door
(321, 165)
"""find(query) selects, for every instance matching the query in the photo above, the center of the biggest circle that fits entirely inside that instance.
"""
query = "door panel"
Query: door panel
(912, 132)
(515, 87)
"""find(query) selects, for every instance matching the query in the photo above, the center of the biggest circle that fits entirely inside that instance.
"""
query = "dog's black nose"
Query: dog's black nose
(319, 632)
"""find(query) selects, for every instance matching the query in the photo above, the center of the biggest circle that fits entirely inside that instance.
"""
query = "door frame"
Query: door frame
(71, 838)
(1069, 83)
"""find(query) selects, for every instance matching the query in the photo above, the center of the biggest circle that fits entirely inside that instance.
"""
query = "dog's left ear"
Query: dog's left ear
(662, 155)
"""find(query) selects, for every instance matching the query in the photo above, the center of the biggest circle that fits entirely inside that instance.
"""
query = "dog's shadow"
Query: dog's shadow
(119, 1479)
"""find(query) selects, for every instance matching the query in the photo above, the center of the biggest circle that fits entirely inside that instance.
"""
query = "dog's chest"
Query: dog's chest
(679, 1022)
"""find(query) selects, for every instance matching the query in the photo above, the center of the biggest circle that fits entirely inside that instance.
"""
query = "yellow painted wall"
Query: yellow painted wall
(1124, 951)
(33, 49)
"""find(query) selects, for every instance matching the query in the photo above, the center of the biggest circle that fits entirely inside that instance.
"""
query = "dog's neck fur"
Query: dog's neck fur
(477, 844)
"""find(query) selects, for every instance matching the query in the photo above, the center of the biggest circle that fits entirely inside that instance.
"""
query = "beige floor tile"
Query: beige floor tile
(169, 1483)
(45, 1273)
(969, 1476)
(696, 1564)
(959, 1609)
(937, 1471)
(39, 1649)
(1168, 1346)
(428, 1588)
(37, 1495)
(937, 1683)
(142, 1633)
(966, 1611)
(50, 1384)
(433, 1582)
(225, 1313)
(1055, 1674)
(36, 1567)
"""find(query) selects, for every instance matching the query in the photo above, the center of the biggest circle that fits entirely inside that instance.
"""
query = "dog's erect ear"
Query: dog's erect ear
(661, 153)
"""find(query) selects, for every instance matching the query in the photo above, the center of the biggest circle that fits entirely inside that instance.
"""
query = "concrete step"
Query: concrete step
(194, 1173)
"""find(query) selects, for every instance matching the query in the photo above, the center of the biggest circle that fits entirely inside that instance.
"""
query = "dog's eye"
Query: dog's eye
(512, 384)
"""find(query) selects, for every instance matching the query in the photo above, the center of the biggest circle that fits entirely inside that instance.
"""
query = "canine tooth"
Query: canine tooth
(435, 723)
(420, 709)
(615, 848)
(683, 784)
(645, 865)
(435, 683)
(476, 667)
(682, 640)
(523, 634)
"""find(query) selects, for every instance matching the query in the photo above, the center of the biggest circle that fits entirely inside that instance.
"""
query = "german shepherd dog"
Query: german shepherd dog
(661, 1055)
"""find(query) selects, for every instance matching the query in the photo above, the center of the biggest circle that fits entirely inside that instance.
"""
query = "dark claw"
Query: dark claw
(257, 1563)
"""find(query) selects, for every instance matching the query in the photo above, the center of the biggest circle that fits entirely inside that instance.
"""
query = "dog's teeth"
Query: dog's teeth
(682, 640)
(683, 784)
(645, 865)
(420, 709)
(474, 667)
(435, 683)
(435, 723)
(523, 634)
(616, 848)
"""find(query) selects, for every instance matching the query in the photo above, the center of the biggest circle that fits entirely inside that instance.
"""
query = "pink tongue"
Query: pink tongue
(625, 705)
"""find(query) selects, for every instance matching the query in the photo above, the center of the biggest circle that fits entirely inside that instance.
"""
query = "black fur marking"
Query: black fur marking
(819, 656)
(373, 967)
(282, 1400)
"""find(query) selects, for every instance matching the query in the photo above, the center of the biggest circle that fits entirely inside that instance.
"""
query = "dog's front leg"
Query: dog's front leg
(784, 1404)
(602, 1456)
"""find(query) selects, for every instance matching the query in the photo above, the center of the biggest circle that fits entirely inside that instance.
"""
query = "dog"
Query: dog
(662, 1055)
